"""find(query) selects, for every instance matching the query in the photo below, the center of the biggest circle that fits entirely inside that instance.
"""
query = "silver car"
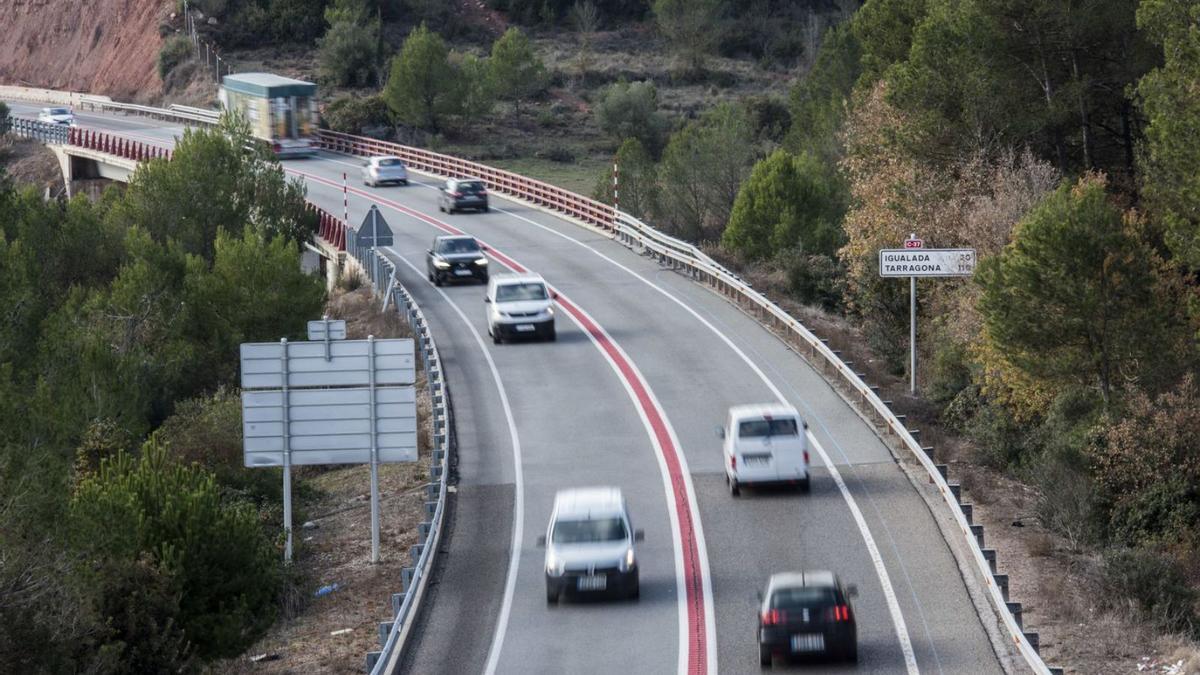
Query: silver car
(57, 116)
(590, 545)
(381, 170)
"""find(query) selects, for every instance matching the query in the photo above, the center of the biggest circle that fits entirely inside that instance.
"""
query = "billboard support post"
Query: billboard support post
(287, 456)
(374, 454)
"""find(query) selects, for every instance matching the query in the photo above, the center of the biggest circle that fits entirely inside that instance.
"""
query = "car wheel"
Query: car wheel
(764, 657)
(429, 275)
(441, 208)
(551, 596)
(496, 337)
(634, 593)
(552, 336)
(484, 279)
(485, 209)
(450, 210)
(404, 182)
(806, 485)
(734, 488)
(437, 279)
(852, 652)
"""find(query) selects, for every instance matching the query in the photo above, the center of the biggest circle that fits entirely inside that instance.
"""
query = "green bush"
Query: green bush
(1000, 439)
(1153, 583)
(816, 279)
(354, 114)
(630, 110)
(174, 51)
(214, 555)
(347, 55)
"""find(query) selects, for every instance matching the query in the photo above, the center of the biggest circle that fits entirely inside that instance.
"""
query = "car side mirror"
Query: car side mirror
(806, 426)
(429, 251)
(484, 248)
(720, 432)
(639, 535)
(541, 541)
(852, 590)
(758, 595)
(553, 295)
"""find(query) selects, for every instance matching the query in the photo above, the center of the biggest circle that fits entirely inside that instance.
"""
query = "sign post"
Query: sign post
(914, 260)
(329, 401)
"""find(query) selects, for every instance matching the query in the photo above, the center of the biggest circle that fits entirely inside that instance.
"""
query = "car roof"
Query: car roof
(821, 578)
(505, 278)
(589, 502)
(763, 410)
(379, 157)
(467, 179)
(453, 237)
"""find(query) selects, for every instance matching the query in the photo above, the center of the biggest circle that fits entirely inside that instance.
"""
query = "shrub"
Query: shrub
(1066, 501)
(214, 555)
(1000, 439)
(949, 371)
(347, 53)
(816, 279)
(1153, 583)
(174, 51)
(354, 114)
(630, 110)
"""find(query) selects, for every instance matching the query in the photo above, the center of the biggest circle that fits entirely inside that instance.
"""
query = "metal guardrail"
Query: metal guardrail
(46, 132)
(394, 633)
(686, 258)
(212, 115)
(102, 104)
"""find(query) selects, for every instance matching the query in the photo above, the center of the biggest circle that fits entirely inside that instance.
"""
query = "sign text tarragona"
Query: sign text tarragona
(938, 262)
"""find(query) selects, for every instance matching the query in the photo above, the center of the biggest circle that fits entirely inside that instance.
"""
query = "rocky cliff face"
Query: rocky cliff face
(94, 46)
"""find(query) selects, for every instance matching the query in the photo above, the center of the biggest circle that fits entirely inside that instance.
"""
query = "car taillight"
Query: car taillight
(806, 457)
(276, 147)
(839, 613)
(733, 462)
(456, 195)
(774, 617)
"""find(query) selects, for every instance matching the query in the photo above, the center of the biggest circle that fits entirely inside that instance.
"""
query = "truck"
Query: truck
(281, 111)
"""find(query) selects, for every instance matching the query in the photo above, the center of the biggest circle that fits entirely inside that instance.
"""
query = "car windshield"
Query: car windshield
(390, 161)
(470, 187)
(803, 596)
(458, 246)
(518, 292)
(59, 111)
(767, 427)
(587, 531)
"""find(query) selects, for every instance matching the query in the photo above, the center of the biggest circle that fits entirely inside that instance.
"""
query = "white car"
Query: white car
(519, 305)
(57, 116)
(379, 170)
(765, 444)
(590, 545)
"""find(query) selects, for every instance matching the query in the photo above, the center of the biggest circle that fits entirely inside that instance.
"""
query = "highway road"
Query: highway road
(645, 367)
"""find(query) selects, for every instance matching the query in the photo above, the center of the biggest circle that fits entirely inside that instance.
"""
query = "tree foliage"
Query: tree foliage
(788, 201)
(702, 170)
(214, 555)
(630, 110)
(1080, 298)
(516, 74)
(638, 180)
(423, 88)
(348, 53)
(691, 28)
(1168, 95)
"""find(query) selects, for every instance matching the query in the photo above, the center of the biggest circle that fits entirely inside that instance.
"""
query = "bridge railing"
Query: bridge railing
(45, 132)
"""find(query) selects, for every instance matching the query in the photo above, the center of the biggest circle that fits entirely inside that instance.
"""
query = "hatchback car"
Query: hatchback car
(456, 257)
(382, 170)
(463, 193)
(590, 545)
(806, 614)
(57, 116)
(765, 445)
(519, 305)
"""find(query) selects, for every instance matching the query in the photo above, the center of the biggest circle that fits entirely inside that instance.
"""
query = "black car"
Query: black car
(806, 614)
(456, 257)
(463, 193)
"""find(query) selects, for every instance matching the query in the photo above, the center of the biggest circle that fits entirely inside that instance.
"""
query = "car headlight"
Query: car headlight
(550, 311)
(555, 566)
(627, 562)
(481, 261)
(441, 264)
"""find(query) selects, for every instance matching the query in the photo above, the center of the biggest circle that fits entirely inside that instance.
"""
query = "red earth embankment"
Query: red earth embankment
(95, 46)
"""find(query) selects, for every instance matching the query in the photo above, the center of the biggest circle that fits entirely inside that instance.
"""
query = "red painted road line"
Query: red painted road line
(692, 571)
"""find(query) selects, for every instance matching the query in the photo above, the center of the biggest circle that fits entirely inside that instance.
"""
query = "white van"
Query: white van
(590, 545)
(765, 444)
(519, 305)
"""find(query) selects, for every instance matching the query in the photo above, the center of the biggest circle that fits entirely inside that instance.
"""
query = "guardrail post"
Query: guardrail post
(397, 600)
(989, 554)
(385, 627)
(1002, 584)
(372, 659)
(977, 530)
(1032, 636)
(1015, 609)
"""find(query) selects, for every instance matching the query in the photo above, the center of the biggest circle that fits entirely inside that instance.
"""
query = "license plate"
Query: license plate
(525, 327)
(593, 582)
(462, 273)
(808, 642)
(756, 460)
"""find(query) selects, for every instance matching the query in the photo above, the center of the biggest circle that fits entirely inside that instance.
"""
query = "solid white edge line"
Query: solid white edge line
(518, 533)
(902, 634)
